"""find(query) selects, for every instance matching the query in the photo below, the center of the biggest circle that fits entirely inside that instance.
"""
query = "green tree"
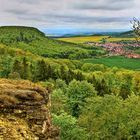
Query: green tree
(136, 84)
(69, 127)
(41, 70)
(125, 89)
(61, 84)
(5, 66)
(112, 118)
(59, 102)
(26, 70)
(17, 67)
(77, 93)
(63, 73)
(49, 73)
(102, 87)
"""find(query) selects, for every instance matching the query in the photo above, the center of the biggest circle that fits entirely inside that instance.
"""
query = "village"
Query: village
(117, 48)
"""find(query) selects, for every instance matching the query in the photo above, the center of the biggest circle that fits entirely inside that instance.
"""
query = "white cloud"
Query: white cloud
(69, 13)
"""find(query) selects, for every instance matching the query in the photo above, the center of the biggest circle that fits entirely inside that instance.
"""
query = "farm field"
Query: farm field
(116, 61)
(83, 39)
(92, 39)
(119, 39)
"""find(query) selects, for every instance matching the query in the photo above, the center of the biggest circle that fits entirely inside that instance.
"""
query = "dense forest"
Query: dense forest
(89, 101)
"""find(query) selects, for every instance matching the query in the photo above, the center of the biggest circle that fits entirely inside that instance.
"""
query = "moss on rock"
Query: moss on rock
(24, 112)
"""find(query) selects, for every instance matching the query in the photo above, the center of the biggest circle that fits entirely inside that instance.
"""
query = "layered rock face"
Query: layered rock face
(24, 112)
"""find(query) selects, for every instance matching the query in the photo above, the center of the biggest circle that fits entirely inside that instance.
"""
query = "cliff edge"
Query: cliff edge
(24, 112)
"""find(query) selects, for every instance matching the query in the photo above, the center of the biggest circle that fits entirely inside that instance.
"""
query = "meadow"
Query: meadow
(116, 61)
(92, 39)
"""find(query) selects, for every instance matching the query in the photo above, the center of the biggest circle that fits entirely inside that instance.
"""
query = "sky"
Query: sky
(70, 15)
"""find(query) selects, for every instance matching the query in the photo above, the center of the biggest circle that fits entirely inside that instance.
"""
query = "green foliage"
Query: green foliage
(13, 34)
(14, 75)
(136, 84)
(126, 84)
(60, 84)
(102, 87)
(90, 67)
(89, 101)
(36, 68)
(104, 40)
(32, 40)
(59, 101)
(77, 93)
(110, 118)
(69, 128)
(5, 65)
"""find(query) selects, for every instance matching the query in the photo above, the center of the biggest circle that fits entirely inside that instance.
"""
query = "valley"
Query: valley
(120, 50)
(86, 89)
(69, 70)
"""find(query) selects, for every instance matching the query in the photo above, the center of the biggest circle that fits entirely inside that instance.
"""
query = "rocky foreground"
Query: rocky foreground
(24, 112)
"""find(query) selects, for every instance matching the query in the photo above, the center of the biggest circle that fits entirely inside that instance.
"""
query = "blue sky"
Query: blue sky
(70, 15)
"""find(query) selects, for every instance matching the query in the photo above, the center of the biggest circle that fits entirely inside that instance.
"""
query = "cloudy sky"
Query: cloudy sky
(69, 14)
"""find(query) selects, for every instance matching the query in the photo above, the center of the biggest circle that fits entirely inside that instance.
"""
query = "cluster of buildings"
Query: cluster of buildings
(117, 48)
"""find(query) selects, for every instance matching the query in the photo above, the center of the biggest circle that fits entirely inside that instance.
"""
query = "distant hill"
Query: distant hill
(11, 34)
(32, 40)
(126, 34)
(86, 34)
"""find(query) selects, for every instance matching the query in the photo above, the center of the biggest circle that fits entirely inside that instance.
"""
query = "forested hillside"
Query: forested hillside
(31, 39)
(126, 34)
(89, 101)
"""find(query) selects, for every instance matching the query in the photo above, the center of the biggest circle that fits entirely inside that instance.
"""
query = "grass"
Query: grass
(92, 39)
(116, 61)
(137, 51)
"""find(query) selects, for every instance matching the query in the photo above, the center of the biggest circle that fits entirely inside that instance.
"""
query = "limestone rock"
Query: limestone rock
(24, 112)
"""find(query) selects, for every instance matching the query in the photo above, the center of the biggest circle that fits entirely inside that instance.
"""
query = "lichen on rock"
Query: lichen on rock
(24, 112)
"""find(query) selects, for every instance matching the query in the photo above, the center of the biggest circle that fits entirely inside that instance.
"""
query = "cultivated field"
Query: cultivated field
(92, 39)
(116, 61)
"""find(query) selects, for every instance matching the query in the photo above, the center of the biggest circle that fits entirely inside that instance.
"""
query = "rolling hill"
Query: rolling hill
(91, 95)
(34, 41)
(126, 34)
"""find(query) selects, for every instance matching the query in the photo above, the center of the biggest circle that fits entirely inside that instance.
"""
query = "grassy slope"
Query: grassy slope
(126, 34)
(118, 61)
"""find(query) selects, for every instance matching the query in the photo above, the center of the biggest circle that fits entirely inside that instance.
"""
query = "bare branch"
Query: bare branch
(136, 29)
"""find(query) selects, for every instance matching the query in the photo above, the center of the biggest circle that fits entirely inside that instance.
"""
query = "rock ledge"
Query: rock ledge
(24, 112)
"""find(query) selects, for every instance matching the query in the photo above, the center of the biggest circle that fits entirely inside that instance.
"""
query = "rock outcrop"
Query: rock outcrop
(24, 112)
